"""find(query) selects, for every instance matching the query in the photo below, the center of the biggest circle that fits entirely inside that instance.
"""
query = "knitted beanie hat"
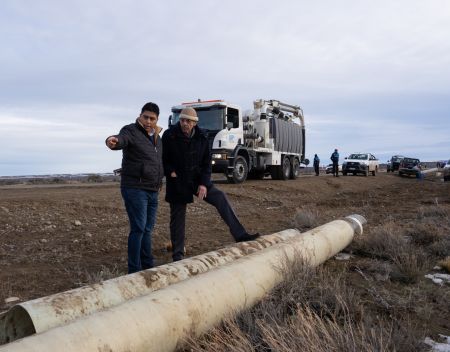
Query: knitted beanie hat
(189, 113)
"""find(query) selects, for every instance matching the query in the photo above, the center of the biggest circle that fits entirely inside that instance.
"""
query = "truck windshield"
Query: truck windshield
(211, 118)
(358, 156)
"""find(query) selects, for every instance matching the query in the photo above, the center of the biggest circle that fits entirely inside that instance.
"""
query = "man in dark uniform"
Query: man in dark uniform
(187, 166)
(316, 164)
(335, 159)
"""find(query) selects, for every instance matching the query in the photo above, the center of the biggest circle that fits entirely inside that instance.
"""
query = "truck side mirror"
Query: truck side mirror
(306, 162)
(229, 125)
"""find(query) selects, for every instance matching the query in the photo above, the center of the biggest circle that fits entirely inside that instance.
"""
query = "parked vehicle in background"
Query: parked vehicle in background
(329, 169)
(360, 163)
(394, 163)
(447, 171)
(442, 163)
(409, 167)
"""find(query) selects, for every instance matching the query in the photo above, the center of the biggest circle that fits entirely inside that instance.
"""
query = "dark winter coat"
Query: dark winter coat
(190, 158)
(335, 157)
(316, 160)
(142, 158)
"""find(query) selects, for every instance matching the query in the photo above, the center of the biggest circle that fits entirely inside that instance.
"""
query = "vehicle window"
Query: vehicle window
(233, 116)
(358, 156)
(411, 160)
(211, 118)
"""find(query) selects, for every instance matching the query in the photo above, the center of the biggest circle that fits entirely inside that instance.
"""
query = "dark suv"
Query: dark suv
(409, 167)
(394, 163)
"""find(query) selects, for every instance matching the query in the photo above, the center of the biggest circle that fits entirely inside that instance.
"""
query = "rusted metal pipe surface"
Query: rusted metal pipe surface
(161, 320)
(44, 313)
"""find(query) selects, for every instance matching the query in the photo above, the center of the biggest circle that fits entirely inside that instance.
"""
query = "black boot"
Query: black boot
(248, 237)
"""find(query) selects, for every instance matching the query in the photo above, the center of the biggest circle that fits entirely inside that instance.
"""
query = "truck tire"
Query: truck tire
(286, 170)
(295, 169)
(240, 170)
(374, 172)
(344, 173)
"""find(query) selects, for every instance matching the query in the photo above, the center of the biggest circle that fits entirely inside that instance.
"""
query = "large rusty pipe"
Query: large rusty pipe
(161, 320)
(44, 313)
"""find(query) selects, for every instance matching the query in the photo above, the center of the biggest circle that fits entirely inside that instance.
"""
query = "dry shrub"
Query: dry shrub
(434, 211)
(105, 273)
(383, 242)
(410, 264)
(306, 218)
(311, 310)
(440, 248)
(425, 232)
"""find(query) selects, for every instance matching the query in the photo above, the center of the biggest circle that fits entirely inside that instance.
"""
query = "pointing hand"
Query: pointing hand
(111, 142)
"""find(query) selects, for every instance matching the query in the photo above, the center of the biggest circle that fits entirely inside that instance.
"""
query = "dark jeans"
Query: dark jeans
(336, 169)
(141, 209)
(316, 169)
(214, 197)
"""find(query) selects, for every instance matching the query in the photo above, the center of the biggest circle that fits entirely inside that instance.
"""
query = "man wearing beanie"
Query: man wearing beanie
(141, 180)
(187, 166)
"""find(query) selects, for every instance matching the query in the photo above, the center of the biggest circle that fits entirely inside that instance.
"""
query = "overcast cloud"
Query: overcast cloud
(370, 76)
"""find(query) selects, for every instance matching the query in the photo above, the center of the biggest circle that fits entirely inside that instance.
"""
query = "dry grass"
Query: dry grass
(312, 310)
(410, 264)
(382, 242)
(426, 232)
(435, 211)
(105, 273)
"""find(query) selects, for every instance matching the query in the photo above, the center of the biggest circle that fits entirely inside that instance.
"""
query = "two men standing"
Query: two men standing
(184, 149)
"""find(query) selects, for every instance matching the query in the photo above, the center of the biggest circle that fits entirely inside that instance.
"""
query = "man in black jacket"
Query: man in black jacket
(187, 166)
(141, 180)
(335, 159)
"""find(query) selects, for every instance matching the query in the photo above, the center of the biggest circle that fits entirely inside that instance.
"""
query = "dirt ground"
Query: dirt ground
(57, 237)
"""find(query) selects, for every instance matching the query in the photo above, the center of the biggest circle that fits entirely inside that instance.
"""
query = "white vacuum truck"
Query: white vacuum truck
(270, 139)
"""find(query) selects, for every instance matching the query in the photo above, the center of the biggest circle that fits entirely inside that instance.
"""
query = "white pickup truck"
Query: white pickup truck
(360, 163)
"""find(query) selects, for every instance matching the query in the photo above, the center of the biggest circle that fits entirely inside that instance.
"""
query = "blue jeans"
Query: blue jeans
(141, 208)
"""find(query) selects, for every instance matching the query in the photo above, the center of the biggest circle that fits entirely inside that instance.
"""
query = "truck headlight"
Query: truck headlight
(219, 156)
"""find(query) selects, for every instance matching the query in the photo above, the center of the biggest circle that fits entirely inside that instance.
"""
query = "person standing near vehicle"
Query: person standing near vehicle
(141, 179)
(316, 164)
(335, 159)
(187, 166)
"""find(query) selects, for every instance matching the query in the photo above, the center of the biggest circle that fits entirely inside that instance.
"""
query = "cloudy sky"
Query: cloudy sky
(370, 75)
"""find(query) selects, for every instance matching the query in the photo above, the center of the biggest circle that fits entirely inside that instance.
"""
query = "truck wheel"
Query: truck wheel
(374, 172)
(286, 168)
(240, 170)
(295, 169)
(344, 173)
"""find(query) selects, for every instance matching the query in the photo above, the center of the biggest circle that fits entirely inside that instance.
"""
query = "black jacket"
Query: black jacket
(142, 158)
(190, 158)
